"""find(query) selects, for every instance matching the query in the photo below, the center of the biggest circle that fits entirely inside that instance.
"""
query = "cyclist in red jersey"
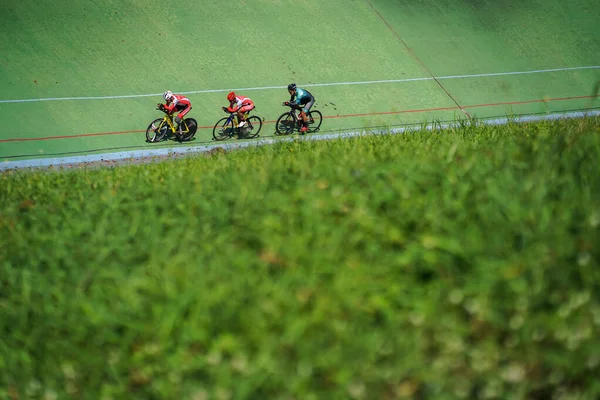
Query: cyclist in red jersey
(176, 102)
(239, 104)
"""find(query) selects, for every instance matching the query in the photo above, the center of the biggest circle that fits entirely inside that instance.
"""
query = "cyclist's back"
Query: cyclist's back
(301, 96)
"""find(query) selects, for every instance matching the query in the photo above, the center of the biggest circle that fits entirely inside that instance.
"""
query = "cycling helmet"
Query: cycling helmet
(231, 96)
(292, 86)
(168, 95)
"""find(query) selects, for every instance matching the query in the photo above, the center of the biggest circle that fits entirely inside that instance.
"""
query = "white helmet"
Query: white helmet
(168, 95)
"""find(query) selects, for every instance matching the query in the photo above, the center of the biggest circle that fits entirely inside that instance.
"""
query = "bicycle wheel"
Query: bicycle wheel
(157, 130)
(192, 127)
(285, 124)
(254, 126)
(223, 129)
(314, 120)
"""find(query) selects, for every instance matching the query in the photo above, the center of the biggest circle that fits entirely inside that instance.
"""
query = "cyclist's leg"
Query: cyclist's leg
(309, 105)
(242, 113)
(306, 105)
(240, 117)
(307, 108)
(183, 110)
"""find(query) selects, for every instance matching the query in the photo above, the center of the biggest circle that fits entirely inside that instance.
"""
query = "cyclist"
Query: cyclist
(239, 104)
(300, 99)
(176, 102)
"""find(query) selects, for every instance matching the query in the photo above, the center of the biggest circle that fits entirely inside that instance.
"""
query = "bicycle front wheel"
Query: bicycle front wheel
(157, 130)
(223, 129)
(192, 127)
(314, 120)
(285, 124)
(254, 126)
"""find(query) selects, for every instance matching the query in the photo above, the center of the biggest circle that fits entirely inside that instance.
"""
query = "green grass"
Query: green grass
(458, 263)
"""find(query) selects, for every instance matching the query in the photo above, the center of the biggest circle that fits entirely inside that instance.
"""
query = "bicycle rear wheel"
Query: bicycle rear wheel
(157, 130)
(223, 129)
(254, 127)
(314, 120)
(285, 124)
(192, 127)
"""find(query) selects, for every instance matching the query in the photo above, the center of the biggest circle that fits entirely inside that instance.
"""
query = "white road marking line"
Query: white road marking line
(538, 71)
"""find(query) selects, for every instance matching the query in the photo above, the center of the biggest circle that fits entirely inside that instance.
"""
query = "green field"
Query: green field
(112, 48)
(437, 264)
(442, 264)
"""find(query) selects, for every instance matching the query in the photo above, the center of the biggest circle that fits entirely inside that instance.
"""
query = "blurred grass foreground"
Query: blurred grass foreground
(456, 263)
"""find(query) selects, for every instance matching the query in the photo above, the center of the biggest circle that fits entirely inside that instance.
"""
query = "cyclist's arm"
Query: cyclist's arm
(235, 106)
(171, 107)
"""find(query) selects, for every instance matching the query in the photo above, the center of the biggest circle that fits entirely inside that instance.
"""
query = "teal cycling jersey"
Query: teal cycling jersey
(302, 96)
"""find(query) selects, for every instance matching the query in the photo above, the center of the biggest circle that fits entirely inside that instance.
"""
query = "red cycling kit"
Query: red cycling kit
(179, 103)
(241, 103)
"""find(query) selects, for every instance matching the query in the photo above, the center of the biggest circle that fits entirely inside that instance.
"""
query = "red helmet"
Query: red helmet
(231, 96)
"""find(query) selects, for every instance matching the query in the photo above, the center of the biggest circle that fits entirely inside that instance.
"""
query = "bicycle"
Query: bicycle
(227, 127)
(161, 127)
(291, 120)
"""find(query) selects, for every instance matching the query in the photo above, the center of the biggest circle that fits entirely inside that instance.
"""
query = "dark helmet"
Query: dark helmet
(292, 86)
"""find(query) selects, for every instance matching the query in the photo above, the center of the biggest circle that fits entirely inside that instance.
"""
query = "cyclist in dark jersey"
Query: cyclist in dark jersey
(302, 100)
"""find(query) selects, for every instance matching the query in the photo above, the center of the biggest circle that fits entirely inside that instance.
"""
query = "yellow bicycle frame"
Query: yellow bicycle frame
(168, 118)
